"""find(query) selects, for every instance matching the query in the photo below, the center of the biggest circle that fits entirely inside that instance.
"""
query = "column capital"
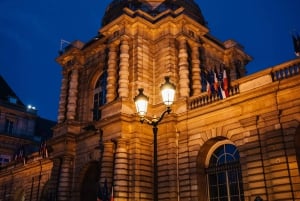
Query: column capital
(121, 141)
(114, 44)
(125, 38)
(182, 38)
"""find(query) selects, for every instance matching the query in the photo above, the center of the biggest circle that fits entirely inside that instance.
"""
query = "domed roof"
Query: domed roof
(115, 9)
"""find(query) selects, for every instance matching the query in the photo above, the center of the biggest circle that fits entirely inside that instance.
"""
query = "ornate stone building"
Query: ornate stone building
(229, 136)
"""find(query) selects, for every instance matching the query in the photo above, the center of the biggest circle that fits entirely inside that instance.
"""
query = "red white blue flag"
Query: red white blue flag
(216, 82)
(225, 84)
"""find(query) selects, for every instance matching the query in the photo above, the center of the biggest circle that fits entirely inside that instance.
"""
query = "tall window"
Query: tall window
(99, 95)
(9, 125)
(224, 175)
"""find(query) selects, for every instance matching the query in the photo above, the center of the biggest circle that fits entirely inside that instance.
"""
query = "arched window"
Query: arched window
(224, 175)
(99, 95)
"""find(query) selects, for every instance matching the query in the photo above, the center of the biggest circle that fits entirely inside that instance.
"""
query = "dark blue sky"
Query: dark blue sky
(31, 31)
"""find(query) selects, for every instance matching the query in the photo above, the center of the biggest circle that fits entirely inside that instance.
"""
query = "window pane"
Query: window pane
(213, 188)
(224, 175)
(99, 95)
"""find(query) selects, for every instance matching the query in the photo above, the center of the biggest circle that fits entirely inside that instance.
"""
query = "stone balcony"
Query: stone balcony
(273, 74)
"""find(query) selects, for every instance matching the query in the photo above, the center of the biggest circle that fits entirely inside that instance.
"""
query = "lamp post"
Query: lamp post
(141, 103)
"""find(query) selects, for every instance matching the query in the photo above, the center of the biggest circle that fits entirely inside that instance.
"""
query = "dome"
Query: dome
(115, 9)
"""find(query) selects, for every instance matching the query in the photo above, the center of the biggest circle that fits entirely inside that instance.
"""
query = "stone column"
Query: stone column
(63, 98)
(196, 70)
(112, 73)
(184, 90)
(124, 67)
(121, 176)
(72, 98)
(65, 179)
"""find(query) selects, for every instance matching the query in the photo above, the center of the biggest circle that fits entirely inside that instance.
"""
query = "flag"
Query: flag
(43, 150)
(208, 89)
(225, 83)
(20, 155)
(216, 82)
(103, 194)
(222, 93)
(204, 78)
(112, 193)
(99, 192)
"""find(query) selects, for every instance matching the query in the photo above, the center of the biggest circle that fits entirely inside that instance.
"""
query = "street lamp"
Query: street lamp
(141, 102)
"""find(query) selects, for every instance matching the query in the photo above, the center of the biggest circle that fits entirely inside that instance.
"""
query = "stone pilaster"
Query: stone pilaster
(140, 169)
(184, 89)
(124, 67)
(112, 73)
(72, 98)
(54, 179)
(121, 177)
(183, 167)
(252, 160)
(168, 169)
(107, 163)
(65, 179)
(63, 98)
(276, 157)
(196, 78)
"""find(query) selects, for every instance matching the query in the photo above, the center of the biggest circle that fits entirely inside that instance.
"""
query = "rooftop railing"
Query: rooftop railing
(280, 72)
(286, 70)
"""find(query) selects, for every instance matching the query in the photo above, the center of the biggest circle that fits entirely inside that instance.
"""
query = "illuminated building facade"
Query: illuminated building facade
(229, 136)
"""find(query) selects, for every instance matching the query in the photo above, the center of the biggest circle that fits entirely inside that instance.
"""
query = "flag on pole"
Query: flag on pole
(112, 193)
(99, 192)
(43, 150)
(208, 89)
(225, 83)
(216, 82)
(222, 93)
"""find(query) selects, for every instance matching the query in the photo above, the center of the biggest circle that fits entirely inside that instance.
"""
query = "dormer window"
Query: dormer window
(12, 100)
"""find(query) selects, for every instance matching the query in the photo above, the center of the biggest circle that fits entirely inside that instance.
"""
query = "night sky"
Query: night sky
(31, 33)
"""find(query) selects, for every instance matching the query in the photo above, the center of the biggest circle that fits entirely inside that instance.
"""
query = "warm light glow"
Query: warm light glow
(168, 92)
(141, 103)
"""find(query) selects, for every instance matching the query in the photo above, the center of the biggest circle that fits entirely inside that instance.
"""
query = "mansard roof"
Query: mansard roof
(7, 95)
(116, 9)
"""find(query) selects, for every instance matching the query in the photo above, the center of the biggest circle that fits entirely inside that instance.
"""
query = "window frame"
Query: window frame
(228, 169)
(99, 95)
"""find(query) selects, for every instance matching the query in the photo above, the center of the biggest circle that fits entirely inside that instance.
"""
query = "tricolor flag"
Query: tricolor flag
(222, 93)
(43, 150)
(208, 89)
(225, 83)
(216, 82)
